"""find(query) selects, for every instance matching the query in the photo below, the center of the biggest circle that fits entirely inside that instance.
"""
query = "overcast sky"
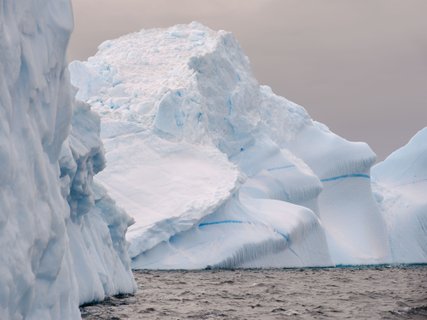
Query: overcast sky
(358, 66)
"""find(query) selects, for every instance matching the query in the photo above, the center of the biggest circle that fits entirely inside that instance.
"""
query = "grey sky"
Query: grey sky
(359, 66)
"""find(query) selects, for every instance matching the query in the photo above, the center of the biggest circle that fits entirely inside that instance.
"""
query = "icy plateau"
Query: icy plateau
(218, 171)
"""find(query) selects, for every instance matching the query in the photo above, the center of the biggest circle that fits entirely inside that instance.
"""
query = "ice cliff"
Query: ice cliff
(219, 171)
(61, 237)
(400, 184)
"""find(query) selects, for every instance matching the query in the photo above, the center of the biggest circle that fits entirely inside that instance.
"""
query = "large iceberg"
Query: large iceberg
(61, 237)
(217, 170)
(400, 184)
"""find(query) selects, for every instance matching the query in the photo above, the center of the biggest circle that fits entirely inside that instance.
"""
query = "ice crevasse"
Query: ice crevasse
(61, 237)
(219, 171)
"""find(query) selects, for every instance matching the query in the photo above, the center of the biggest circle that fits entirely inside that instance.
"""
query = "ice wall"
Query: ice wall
(61, 240)
(96, 227)
(400, 184)
(218, 170)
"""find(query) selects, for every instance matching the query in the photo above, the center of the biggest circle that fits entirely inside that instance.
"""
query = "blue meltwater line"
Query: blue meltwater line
(345, 176)
(204, 224)
(281, 167)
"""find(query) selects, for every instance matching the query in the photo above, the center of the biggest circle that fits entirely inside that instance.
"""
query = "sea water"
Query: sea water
(381, 292)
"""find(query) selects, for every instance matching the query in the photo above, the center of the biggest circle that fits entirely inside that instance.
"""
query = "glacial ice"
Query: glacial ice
(219, 171)
(400, 186)
(61, 236)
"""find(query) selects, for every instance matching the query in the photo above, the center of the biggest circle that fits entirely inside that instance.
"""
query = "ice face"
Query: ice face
(218, 170)
(61, 239)
(96, 228)
(400, 185)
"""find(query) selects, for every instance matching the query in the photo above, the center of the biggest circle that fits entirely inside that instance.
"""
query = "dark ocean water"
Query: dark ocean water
(335, 293)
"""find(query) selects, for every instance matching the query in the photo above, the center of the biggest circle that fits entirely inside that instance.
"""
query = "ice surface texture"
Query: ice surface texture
(218, 170)
(61, 237)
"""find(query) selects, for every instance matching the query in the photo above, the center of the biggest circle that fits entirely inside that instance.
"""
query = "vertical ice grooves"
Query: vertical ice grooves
(252, 251)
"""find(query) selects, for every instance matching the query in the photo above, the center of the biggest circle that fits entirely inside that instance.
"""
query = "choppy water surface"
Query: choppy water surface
(346, 293)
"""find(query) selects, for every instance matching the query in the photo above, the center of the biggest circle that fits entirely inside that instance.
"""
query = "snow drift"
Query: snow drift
(217, 170)
(61, 237)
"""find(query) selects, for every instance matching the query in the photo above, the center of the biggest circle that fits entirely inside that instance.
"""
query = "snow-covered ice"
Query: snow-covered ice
(61, 236)
(219, 171)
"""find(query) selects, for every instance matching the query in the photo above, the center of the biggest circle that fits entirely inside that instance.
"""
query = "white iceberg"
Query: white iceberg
(61, 237)
(400, 182)
(217, 170)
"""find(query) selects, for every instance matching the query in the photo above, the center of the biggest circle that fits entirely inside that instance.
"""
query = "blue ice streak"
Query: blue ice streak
(280, 168)
(353, 175)
(204, 224)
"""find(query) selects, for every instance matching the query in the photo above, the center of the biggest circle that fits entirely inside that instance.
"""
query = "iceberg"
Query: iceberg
(61, 236)
(400, 185)
(217, 170)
